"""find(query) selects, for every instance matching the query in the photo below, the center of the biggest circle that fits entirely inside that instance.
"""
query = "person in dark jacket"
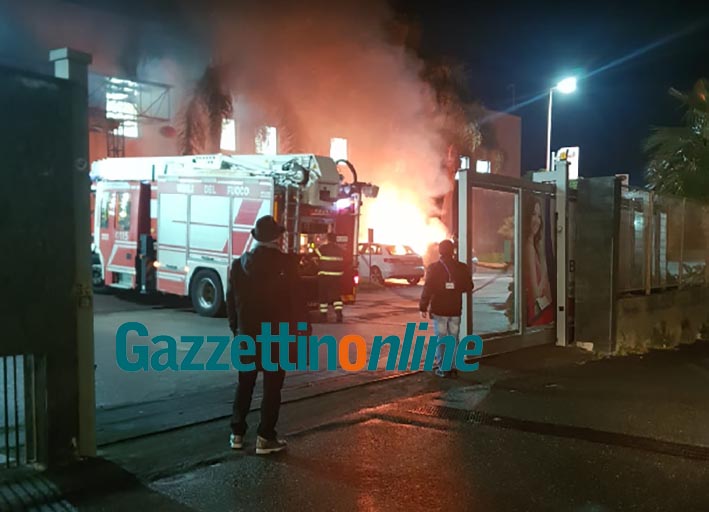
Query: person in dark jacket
(442, 297)
(263, 287)
(331, 268)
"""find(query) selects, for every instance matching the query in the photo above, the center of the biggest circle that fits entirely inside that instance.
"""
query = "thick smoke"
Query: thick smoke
(314, 69)
(122, 44)
(337, 73)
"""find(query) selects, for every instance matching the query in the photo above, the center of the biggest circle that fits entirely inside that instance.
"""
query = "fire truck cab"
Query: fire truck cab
(175, 224)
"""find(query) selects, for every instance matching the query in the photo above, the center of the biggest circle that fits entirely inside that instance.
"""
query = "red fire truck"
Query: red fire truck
(175, 224)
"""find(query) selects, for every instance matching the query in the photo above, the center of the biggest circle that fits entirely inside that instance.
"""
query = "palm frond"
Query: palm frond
(679, 156)
(202, 120)
(192, 128)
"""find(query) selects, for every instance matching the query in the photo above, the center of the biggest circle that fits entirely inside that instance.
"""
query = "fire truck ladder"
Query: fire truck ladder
(291, 217)
(293, 178)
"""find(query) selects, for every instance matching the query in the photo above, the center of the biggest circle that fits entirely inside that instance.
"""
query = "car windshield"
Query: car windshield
(399, 250)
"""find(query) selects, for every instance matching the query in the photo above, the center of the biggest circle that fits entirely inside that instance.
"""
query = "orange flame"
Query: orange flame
(398, 218)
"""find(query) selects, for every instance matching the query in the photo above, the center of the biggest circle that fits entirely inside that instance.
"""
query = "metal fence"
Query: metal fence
(664, 242)
(13, 411)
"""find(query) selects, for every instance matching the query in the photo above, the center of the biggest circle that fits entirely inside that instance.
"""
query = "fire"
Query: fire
(398, 218)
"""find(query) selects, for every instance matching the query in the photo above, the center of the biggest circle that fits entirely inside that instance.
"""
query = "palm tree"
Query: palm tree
(457, 115)
(202, 120)
(457, 119)
(679, 156)
(211, 103)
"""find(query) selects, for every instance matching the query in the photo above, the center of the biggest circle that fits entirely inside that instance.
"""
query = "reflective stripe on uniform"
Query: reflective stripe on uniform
(337, 305)
(331, 259)
(323, 308)
(326, 273)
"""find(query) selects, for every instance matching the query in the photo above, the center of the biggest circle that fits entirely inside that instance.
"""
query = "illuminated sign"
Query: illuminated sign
(482, 166)
(571, 155)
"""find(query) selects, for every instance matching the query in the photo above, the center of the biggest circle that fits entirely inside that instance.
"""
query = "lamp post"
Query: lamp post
(566, 86)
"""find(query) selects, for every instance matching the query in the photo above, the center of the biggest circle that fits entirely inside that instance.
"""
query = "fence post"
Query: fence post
(561, 168)
(465, 243)
(648, 233)
(705, 225)
(680, 271)
(73, 65)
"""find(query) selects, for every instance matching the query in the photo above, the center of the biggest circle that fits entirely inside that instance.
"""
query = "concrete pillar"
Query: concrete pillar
(73, 65)
(596, 264)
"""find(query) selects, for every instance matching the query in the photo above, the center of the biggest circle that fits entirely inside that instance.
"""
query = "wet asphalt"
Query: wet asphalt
(541, 429)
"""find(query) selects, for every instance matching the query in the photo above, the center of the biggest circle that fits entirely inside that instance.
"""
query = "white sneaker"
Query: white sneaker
(236, 442)
(265, 446)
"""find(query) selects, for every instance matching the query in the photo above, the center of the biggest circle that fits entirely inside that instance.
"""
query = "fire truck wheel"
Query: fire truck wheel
(207, 294)
(377, 276)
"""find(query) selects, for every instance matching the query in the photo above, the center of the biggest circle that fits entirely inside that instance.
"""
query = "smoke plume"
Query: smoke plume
(338, 72)
(314, 69)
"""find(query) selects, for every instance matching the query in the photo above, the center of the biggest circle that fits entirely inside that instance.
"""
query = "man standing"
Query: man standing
(446, 282)
(262, 286)
(330, 271)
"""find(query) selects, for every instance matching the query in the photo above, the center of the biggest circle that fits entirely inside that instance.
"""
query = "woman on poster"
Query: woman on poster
(540, 303)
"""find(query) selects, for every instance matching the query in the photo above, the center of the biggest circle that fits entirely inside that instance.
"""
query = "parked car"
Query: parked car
(96, 269)
(390, 262)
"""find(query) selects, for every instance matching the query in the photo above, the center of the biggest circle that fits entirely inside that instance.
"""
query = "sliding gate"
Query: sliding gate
(514, 234)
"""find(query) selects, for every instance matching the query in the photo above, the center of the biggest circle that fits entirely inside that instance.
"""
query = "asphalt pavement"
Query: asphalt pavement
(545, 429)
(130, 404)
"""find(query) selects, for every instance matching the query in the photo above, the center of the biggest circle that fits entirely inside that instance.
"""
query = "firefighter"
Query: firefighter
(330, 270)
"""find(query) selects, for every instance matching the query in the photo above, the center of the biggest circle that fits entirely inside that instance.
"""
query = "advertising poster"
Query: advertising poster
(538, 260)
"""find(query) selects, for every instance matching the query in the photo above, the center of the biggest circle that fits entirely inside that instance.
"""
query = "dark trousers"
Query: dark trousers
(270, 405)
(329, 292)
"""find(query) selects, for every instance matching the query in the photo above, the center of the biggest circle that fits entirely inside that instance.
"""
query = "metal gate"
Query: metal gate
(12, 412)
(513, 234)
(43, 135)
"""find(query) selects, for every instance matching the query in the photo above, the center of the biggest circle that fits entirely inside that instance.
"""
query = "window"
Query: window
(338, 149)
(106, 203)
(228, 141)
(370, 249)
(267, 141)
(123, 220)
(122, 105)
(399, 250)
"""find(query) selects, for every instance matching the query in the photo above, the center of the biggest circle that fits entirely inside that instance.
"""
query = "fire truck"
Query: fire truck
(174, 224)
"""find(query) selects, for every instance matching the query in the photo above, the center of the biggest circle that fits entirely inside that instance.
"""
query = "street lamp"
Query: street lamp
(566, 86)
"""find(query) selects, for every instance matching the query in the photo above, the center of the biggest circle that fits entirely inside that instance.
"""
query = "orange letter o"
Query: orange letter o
(343, 350)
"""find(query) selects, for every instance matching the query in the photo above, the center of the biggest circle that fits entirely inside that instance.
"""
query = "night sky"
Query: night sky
(532, 45)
